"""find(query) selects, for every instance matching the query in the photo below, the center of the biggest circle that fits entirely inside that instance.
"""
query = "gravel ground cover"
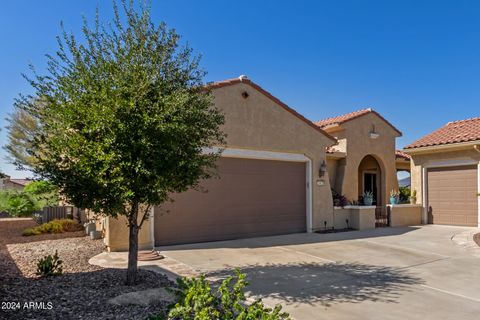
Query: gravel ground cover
(82, 292)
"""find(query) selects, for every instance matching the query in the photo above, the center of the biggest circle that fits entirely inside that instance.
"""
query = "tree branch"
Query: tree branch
(145, 215)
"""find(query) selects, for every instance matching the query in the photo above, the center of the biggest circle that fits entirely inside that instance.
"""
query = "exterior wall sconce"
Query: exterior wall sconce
(322, 170)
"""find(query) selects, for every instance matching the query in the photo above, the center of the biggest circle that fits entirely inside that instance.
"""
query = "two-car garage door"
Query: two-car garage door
(250, 198)
(452, 195)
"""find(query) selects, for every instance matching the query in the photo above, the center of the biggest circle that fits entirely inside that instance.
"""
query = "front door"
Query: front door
(370, 184)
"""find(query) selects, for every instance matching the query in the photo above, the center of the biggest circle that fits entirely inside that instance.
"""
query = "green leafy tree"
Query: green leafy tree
(22, 128)
(17, 203)
(44, 193)
(125, 119)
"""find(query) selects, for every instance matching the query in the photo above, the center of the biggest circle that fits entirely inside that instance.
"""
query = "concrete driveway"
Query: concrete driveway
(428, 272)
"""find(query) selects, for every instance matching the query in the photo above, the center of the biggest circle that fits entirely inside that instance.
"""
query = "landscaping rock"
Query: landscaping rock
(81, 292)
(143, 298)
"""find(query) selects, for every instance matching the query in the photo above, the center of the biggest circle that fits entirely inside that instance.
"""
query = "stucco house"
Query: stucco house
(276, 174)
(445, 170)
(7, 183)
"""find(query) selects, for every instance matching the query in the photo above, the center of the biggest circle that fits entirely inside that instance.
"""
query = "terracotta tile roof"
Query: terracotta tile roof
(245, 80)
(338, 120)
(452, 132)
(402, 155)
(342, 118)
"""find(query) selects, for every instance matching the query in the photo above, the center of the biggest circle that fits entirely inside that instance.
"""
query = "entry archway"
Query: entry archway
(370, 177)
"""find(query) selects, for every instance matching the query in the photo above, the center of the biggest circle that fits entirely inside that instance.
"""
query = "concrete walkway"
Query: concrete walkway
(428, 272)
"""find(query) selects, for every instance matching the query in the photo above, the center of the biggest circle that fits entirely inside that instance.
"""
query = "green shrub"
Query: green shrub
(43, 192)
(54, 226)
(17, 203)
(197, 300)
(49, 266)
(31, 232)
(33, 197)
(404, 194)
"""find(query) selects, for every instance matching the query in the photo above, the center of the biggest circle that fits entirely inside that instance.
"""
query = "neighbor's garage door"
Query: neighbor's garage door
(250, 198)
(452, 196)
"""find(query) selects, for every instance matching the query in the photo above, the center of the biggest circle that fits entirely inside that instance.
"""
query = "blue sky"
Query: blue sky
(415, 62)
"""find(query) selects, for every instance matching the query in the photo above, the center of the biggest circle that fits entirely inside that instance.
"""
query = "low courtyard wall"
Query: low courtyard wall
(359, 217)
(402, 215)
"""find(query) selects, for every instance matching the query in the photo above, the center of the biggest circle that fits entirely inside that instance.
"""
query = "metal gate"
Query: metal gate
(382, 217)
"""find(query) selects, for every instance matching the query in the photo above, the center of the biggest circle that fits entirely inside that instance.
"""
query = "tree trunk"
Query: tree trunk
(133, 246)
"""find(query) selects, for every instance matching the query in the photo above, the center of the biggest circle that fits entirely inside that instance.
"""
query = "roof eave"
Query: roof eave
(441, 147)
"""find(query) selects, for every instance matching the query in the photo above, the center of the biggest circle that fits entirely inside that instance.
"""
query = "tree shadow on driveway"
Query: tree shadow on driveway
(325, 284)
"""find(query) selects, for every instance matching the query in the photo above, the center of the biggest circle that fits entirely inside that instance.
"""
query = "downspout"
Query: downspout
(477, 147)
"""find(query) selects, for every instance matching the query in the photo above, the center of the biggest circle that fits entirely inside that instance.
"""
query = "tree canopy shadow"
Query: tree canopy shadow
(327, 284)
(291, 239)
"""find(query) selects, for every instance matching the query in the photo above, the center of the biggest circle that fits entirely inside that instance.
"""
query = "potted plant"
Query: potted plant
(393, 197)
(368, 198)
(413, 197)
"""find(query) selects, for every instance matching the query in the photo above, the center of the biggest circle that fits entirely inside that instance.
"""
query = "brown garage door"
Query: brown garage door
(452, 196)
(251, 198)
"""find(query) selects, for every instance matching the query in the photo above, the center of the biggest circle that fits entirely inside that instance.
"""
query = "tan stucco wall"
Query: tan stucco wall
(340, 215)
(420, 160)
(403, 165)
(259, 123)
(359, 217)
(116, 234)
(332, 165)
(360, 144)
(405, 215)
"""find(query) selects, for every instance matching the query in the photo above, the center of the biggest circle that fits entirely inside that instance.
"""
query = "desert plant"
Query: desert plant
(31, 232)
(394, 193)
(197, 300)
(368, 194)
(367, 198)
(54, 226)
(339, 200)
(49, 266)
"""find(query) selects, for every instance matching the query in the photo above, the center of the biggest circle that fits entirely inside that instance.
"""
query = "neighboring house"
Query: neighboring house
(7, 183)
(445, 173)
(275, 175)
(365, 158)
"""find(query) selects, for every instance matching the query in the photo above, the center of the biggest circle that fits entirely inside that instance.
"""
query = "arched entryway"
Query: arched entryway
(371, 179)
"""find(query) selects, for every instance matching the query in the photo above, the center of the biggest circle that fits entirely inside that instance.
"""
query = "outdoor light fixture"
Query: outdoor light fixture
(323, 169)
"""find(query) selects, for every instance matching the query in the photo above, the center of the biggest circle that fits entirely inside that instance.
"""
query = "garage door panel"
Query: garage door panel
(452, 195)
(250, 198)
